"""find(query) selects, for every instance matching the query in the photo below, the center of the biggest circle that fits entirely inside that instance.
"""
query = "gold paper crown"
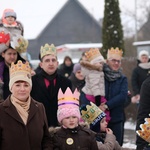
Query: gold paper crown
(19, 43)
(93, 114)
(145, 132)
(92, 53)
(114, 53)
(48, 50)
(20, 69)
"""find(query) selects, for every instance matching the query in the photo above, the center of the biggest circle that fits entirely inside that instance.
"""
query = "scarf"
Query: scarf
(110, 74)
(47, 76)
(50, 78)
(22, 107)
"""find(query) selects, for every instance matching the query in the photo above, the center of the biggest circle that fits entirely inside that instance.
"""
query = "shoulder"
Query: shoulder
(62, 78)
(38, 104)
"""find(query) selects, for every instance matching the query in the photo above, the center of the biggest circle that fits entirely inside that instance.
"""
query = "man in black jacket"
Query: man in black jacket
(143, 111)
(47, 83)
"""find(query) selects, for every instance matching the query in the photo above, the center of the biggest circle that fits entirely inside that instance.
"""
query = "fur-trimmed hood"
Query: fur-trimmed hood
(90, 66)
(53, 130)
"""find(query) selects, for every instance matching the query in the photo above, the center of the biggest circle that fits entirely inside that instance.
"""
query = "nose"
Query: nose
(22, 88)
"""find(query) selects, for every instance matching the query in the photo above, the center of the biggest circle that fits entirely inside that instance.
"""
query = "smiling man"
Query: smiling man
(116, 89)
(47, 83)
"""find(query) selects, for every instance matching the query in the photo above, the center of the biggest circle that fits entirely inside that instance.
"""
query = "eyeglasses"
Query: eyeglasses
(115, 61)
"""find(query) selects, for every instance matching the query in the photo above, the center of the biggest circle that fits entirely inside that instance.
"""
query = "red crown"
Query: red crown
(4, 37)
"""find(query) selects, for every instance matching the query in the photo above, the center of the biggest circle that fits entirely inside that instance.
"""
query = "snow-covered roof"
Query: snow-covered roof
(141, 43)
(79, 46)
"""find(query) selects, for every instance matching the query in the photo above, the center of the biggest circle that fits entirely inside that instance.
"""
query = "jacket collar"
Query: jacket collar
(10, 109)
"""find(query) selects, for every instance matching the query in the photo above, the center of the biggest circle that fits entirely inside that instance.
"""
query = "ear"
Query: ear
(41, 64)
(3, 54)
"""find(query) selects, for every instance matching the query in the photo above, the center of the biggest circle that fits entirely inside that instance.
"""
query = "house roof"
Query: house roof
(57, 12)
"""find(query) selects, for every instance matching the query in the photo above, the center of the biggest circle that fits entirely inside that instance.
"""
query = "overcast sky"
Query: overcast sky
(36, 14)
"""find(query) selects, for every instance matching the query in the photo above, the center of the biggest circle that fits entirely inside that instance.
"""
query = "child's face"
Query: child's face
(70, 122)
(103, 124)
(10, 20)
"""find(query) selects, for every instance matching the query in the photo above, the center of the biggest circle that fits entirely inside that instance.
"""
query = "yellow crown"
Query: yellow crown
(48, 50)
(114, 53)
(144, 133)
(92, 53)
(19, 43)
(93, 114)
(20, 69)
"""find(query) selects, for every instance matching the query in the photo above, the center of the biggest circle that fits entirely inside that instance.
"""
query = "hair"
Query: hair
(67, 57)
(41, 59)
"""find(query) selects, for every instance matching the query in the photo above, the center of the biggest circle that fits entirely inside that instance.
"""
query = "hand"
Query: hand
(109, 131)
(102, 107)
(135, 99)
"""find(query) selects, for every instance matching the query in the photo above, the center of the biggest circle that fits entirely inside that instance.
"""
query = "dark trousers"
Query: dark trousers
(118, 131)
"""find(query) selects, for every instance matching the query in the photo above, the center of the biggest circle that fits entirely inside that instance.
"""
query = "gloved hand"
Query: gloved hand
(98, 100)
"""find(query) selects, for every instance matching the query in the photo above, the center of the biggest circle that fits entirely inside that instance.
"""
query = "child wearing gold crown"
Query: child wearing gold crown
(94, 89)
(96, 118)
(71, 135)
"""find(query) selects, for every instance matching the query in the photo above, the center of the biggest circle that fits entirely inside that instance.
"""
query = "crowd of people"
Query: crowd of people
(67, 106)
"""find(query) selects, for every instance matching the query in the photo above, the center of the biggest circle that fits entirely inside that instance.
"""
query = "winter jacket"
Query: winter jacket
(143, 111)
(139, 74)
(40, 93)
(94, 80)
(73, 139)
(14, 30)
(65, 70)
(15, 135)
(116, 93)
(108, 142)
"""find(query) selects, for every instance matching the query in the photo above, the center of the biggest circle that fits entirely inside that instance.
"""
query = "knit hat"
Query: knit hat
(68, 104)
(20, 72)
(114, 53)
(76, 67)
(92, 114)
(9, 12)
(145, 132)
(143, 52)
(94, 55)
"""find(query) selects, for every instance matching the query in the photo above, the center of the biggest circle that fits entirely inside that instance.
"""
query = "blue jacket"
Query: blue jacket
(116, 93)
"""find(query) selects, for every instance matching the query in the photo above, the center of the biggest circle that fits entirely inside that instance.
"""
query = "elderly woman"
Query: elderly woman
(23, 124)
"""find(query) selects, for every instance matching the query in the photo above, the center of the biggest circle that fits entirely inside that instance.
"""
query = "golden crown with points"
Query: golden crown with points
(114, 53)
(19, 43)
(48, 50)
(144, 133)
(92, 114)
(20, 69)
(92, 54)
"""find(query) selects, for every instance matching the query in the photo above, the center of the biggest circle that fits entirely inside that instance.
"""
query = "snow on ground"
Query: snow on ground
(130, 135)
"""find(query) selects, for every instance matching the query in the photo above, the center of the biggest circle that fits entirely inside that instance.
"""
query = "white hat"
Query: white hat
(143, 52)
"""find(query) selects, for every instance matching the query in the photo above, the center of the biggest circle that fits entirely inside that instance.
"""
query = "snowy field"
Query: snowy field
(129, 136)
